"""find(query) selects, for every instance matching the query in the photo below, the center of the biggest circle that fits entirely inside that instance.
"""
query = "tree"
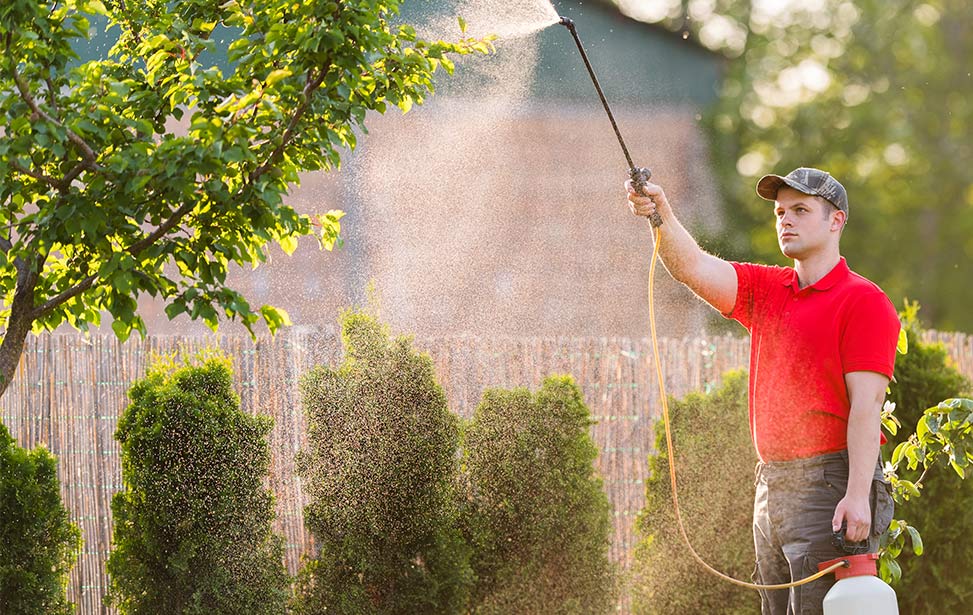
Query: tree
(100, 188)
(192, 526)
(379, 470)
(537, 514)
(38, 542)
(877, 92)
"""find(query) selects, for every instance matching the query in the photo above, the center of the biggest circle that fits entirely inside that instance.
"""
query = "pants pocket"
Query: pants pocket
(883, 506)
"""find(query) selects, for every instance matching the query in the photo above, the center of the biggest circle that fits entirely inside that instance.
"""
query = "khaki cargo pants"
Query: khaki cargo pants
(792, 512)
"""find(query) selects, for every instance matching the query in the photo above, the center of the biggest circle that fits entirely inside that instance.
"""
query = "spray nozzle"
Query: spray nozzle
(567, 23)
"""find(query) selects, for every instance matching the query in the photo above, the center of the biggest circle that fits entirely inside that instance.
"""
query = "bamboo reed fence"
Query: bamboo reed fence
(70, 390)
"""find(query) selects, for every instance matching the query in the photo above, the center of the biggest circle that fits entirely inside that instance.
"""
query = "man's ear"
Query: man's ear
(838, 219)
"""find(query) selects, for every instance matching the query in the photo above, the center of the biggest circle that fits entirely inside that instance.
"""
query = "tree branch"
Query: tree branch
(71, 175)
(163, 228)
(52, 96)
(44, 309)
(134, 249)
(135, 35)
(47, 179)
(309, 88)
(22, 87)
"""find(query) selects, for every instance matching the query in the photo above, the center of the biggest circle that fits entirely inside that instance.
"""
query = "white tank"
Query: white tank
(859, 591)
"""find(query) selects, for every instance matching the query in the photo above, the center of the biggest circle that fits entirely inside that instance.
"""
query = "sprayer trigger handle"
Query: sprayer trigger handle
(640, 176)
(839, 541)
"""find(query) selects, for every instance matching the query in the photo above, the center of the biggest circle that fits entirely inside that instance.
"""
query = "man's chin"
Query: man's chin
(789, 251)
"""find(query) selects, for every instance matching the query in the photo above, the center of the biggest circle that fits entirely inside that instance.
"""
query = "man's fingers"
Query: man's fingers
(859, 533)
(839, 516)
(645, 202)
(641, 206)
(855, 530)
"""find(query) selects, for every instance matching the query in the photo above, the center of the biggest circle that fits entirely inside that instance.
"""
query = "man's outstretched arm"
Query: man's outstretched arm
(710, 277)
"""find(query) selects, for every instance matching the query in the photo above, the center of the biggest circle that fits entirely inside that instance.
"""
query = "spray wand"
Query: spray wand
(640, 176)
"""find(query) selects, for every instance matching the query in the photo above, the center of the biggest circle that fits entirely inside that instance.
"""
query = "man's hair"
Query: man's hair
(829, 207)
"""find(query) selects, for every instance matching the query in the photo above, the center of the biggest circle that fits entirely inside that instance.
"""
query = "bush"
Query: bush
(38, 543)
(379, 470)
(538, 517)
(192, 527)
(937, 581)
(715, 470)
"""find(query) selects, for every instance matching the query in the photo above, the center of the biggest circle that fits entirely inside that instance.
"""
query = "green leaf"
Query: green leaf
(891, 425)
(278, 75)
(462, 24)
(909, 489)
(122, 329)
(96, 7)
(916, 540)
(275, 317)
(893, 572)
(288, 244)
(956, 466)
(899, 451)
(902, 347)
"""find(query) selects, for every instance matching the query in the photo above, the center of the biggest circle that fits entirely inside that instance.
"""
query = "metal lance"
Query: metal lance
(640, 175)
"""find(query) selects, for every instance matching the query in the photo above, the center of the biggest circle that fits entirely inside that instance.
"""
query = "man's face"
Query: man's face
(805, 224)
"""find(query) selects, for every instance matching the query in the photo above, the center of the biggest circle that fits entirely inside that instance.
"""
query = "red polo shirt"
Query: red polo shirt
(803, 342)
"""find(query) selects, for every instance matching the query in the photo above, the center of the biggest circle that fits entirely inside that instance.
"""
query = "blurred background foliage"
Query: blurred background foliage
(879, 93)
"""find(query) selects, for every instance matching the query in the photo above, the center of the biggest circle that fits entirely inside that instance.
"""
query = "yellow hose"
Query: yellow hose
(672, 460)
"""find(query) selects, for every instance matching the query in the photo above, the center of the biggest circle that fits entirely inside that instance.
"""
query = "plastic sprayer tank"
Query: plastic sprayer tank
(859, 591)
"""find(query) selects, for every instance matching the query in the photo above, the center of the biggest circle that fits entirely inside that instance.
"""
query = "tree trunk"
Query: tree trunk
(18, 325)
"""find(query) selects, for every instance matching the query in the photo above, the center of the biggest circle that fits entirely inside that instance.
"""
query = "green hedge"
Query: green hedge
(38, 543)
(715, 469)
(192, 527)
(379, 470)
(537, 515)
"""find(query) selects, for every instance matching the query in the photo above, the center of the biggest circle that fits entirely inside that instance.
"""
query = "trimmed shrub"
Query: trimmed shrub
(379, 470)
(937, 581)
(715, 472)
(538, 516)
(192, 527)
(38, 543)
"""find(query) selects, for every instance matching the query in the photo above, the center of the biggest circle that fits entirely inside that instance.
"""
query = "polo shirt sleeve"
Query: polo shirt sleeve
(870, 334)
(749, 278)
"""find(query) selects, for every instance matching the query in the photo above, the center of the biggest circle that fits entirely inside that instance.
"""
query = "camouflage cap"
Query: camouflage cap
(809, 181)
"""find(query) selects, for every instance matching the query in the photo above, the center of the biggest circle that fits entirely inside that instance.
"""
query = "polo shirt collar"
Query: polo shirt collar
(838, 273)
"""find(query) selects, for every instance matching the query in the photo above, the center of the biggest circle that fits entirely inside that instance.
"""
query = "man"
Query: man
(822, 351)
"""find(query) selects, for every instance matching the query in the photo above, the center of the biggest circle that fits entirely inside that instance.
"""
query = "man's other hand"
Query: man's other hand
(857, 514)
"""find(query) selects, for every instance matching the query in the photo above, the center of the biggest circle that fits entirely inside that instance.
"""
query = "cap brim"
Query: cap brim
(768, 185)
